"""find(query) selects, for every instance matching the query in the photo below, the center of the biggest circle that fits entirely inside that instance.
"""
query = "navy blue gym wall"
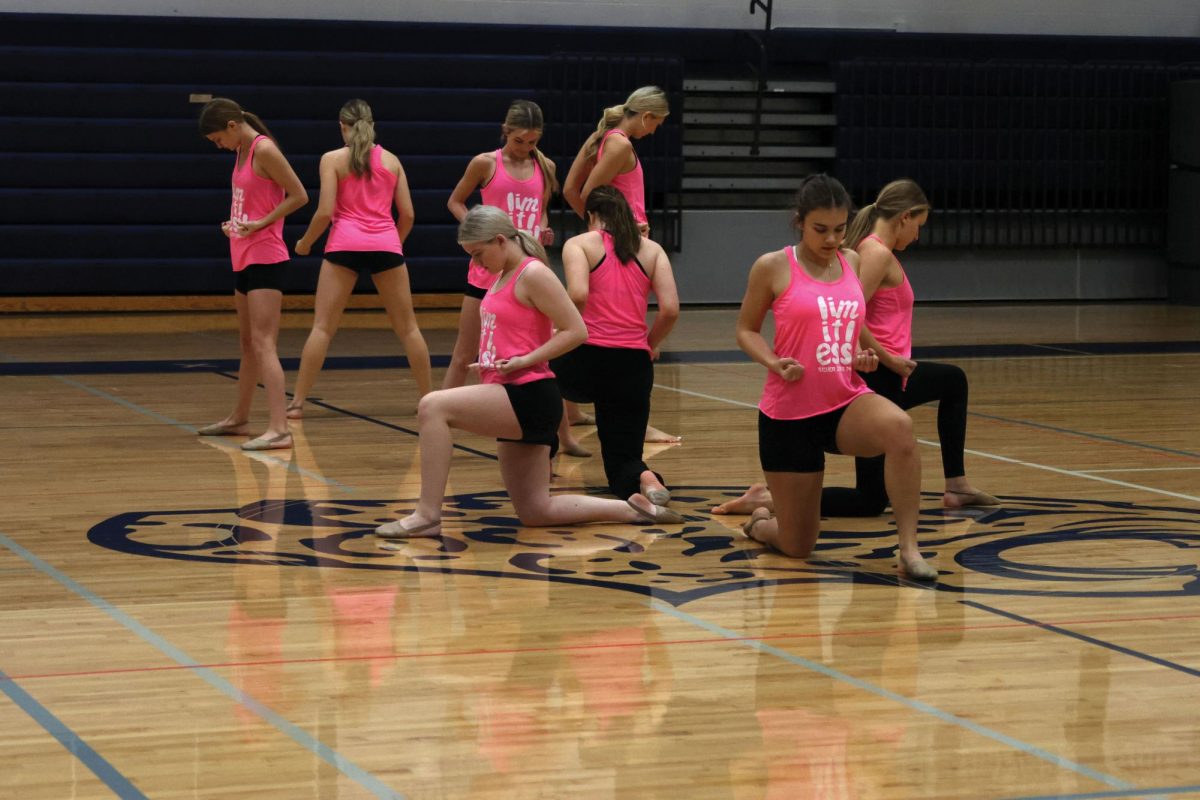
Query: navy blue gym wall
(107, 188)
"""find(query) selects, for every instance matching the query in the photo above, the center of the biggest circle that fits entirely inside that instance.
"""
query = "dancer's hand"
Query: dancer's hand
(866, 361)
(546, 237)
(227, 228)
(303, 248)
(247, 227)
(506, 365)
(644, 229)
(789, 369)
(901, 366)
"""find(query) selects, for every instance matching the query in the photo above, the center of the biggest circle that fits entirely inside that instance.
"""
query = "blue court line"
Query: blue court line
(1096, 436)
(121, 401)
(916, 705)
(75, 745)
(1155, 792)
(1070, 350)
(284, 725)
(1116, 648)
(375, 421)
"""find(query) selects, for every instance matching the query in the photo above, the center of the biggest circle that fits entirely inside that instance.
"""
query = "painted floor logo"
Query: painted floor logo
(1030, 545)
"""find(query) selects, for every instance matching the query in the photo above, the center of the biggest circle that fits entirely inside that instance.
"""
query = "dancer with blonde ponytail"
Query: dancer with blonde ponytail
(879, 231)
(265, 190)
(526, 319)
(360, 183)
(608, 158)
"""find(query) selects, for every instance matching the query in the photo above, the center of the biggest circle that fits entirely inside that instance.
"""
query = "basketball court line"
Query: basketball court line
(724, 633)
(992, 456)
(213, 440)
(285, 726)
(1154, 793)
(1052, 628)
(634, 645)
(71, 741)
(376, 787)
(887, 694)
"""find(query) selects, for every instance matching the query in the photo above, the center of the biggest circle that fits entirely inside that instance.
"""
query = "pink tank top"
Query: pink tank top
(362, 216)
(817, 324)
(631, 184)
(889, 315)
(522, 200)
(254, 198)
(508, 328)
(615, 313)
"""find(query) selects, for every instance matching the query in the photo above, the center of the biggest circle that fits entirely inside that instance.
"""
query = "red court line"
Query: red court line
(581, 648)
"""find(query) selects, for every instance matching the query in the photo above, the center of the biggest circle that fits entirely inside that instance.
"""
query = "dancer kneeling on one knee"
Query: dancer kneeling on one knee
(814, 401)
(526, 318)
(611, 271)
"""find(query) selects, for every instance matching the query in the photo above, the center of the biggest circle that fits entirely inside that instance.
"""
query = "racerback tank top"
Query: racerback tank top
(362, 215)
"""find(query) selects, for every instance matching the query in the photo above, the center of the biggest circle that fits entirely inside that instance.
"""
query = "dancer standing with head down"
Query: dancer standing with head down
(608, 158)
(359, 185)
(526, 318)
(519, 180)
(265, 190)
(879, 231)
(814, 401)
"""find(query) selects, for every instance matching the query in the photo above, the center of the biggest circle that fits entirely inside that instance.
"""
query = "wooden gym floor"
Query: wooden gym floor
(183, 620)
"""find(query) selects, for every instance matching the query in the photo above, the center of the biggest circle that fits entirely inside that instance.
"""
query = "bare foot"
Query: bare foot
(918, 568)
(955, 498)
(653, 434)
(583, 419)
(757, 496)
(295, 410)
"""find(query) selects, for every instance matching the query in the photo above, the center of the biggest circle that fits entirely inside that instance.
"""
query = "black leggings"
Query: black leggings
(930, 381)
(618, 381)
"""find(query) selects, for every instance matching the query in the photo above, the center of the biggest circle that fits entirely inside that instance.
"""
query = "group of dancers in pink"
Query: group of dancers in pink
(840, 368)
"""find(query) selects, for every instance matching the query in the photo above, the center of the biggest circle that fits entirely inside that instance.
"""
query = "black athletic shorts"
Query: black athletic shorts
(366, 262)
(798, 445)
(260, 276)
(539, 408)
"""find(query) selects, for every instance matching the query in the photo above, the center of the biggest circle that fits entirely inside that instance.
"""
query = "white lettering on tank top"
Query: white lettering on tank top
(839, 329)
(487, 348)
(237, 211)
(526, 212)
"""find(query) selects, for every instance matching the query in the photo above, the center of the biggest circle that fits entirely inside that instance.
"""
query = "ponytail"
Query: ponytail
(220, 111)
(356, 115)
(531, 246)
(611, 207)
(861, 227)
(547, 175)
(898, 197)
(611, 117)
(647, 99)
